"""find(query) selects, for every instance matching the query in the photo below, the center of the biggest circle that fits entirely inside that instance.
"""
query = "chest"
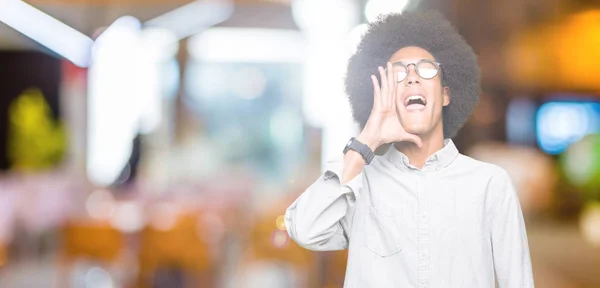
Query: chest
(454, 203)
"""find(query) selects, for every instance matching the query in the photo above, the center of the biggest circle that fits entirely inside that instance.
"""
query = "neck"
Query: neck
(417, 157)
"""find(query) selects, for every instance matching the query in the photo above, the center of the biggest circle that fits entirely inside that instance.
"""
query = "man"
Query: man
(422, 214)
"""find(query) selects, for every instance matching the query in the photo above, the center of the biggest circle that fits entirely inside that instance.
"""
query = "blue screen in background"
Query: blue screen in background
(520, 122)
(561, 123)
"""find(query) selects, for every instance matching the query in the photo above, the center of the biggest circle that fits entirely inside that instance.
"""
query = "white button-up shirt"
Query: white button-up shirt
(452, 223)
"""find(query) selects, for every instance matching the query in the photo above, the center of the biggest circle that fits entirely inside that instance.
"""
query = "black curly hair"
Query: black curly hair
(428, 30)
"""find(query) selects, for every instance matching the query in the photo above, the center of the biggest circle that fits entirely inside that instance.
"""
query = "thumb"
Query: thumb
(415, 139)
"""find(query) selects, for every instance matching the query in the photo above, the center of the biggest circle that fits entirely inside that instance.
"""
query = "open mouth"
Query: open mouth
(415, 102)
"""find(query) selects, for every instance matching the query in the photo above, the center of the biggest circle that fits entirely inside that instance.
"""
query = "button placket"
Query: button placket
(423, 233)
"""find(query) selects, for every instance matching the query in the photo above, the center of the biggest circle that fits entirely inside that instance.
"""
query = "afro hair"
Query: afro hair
(427, 30)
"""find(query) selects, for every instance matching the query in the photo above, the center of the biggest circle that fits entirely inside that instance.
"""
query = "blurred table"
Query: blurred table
(561, 257)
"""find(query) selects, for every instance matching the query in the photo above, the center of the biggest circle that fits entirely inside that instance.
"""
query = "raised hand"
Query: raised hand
(383, 125)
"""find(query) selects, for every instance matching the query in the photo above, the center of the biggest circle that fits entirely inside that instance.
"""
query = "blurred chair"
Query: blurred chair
(334, 268)
(3, 255)
(178, 250)
(269, 246)
(89, 240)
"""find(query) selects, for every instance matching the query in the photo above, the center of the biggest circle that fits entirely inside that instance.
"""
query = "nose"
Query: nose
(412, 77)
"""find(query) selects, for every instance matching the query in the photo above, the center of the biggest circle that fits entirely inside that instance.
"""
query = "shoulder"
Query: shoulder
(483, 169)
(496, 179)
(499, 185)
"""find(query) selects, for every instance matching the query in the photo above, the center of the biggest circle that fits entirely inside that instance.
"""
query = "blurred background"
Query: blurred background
(158, 143)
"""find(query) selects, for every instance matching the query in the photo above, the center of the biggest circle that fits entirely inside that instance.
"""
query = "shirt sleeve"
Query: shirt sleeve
(512, 261)
(321, 218)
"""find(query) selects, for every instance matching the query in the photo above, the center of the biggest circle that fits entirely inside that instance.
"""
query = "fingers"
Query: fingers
(376, 92)
(389, 83)
(384, 86)
(415, 139)
(390, 79)
(394, 89)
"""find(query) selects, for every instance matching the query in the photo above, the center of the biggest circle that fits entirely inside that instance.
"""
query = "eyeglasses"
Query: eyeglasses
(426, 69)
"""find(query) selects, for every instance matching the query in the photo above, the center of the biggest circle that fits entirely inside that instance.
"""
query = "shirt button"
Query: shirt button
(351, 197)
(423, 215)
(423, 255)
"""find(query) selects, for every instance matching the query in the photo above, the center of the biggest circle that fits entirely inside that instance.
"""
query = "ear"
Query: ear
(445, 96)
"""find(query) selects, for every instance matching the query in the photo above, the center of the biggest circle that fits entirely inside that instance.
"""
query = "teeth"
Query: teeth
(415, 97)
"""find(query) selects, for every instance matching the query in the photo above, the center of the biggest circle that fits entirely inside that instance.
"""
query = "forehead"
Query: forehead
(411, 53)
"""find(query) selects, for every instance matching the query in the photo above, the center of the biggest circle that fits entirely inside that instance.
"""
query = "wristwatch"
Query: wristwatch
(361, 148)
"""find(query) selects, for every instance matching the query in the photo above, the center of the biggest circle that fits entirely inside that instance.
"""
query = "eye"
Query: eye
(428, 73)
(427, 69)
(401, 75)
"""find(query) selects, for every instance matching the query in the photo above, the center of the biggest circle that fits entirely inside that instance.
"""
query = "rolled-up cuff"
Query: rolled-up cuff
(334, 169)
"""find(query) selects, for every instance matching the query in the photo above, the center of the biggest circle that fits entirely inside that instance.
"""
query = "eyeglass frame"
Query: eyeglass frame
(437, 64)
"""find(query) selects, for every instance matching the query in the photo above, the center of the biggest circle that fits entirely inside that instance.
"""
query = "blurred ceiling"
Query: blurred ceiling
(87, 16)
(495, 29)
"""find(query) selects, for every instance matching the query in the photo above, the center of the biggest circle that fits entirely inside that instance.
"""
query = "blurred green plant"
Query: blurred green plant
(36, 141)
(580, 164)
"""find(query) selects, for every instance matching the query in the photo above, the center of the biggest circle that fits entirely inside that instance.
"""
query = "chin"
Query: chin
(416, 129)
(414, 126)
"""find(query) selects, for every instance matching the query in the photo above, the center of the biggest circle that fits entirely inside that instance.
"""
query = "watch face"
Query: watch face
(348, 145)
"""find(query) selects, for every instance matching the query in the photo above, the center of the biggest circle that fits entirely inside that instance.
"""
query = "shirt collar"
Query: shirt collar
(435, 162)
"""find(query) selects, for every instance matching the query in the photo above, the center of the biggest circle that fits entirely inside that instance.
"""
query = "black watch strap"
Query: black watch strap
(361, 148)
